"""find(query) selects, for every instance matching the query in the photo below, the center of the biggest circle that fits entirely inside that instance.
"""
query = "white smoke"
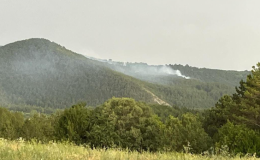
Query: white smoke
(145, 69)
(167, 70)
(141, 68)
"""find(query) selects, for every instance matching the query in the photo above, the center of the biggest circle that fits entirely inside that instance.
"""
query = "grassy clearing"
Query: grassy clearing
(20, 150)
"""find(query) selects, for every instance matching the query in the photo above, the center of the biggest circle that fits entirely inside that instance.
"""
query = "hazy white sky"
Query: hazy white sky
(222, 34)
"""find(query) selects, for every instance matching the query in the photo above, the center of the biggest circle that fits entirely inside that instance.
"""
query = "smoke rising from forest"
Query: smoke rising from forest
(140, 68)
(145, 69)
(169, 70)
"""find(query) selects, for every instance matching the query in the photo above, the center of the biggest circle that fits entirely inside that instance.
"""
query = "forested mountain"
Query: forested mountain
(38, 72)
(42, 75)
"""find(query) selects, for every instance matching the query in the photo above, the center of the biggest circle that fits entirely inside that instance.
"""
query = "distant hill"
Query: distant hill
(42, 75)
(182, 85)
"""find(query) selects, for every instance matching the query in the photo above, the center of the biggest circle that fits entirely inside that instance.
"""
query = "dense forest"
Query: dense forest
(232, 125)
(40, 75)
(45, 76)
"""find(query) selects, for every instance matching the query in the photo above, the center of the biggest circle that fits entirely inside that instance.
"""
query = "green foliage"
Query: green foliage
(250, 101)
(234, 121)
(152, 134)
(239, 139)
(128, 122)
(10, 124)
(243, 107)
(194, 133)
(173, 137)
(39, 127)
(186, 131)
(73, 124)
(218, 116)
(164, 111)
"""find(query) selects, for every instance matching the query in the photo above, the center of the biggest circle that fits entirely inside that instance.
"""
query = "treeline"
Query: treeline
(233, 125)
(119, 122)
(125, 123)
(212, 75)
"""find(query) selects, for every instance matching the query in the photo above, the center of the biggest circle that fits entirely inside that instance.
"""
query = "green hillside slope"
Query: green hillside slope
(182, 85)
(38, 72)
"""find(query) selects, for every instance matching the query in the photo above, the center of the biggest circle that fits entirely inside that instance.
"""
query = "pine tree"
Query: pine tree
(243, 107)
(250, 103)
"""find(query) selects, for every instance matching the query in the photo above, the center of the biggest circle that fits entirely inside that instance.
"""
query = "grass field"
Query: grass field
(20, 150)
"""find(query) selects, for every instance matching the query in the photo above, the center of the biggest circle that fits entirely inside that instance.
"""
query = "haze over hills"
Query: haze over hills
(156, 73)
(42, 75)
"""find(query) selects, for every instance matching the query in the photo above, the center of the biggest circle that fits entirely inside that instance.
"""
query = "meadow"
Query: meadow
(21, 150)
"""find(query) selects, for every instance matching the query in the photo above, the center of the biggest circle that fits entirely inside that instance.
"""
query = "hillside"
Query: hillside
(182, 85)
(42, 75)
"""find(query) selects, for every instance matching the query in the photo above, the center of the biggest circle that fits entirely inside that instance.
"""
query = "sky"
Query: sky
(219, 34)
